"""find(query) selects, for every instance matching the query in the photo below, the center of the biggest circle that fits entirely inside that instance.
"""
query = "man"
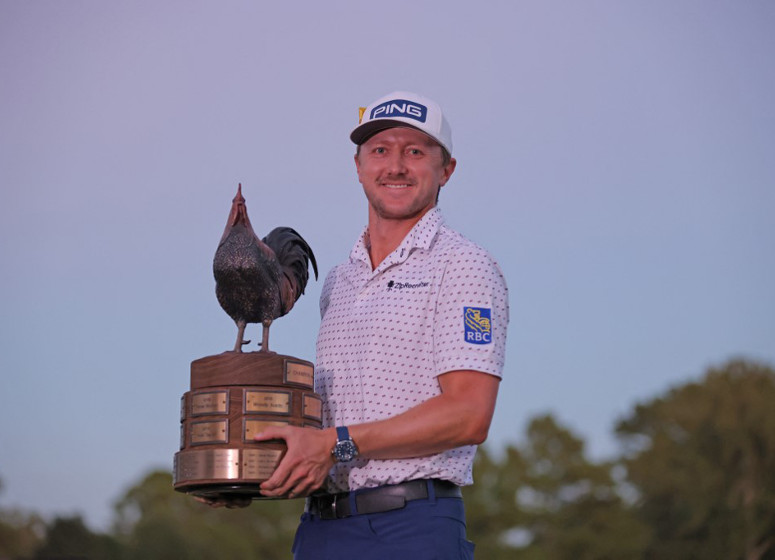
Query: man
(409, 358)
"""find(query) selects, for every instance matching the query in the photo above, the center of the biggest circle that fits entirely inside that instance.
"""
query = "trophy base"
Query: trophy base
(232, 471)
(228, 492)
(233, 397)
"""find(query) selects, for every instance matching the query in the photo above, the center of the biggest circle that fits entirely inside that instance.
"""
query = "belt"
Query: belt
(380, 499)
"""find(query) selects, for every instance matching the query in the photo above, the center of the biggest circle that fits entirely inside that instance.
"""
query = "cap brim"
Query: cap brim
(363, 132)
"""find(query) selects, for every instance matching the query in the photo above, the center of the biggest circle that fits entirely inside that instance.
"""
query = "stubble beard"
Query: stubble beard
(383, 210)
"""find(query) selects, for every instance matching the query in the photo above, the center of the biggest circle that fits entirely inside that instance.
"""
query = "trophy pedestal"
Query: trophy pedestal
(233, 397)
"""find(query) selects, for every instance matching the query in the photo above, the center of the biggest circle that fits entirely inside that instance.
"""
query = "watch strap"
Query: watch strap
(342, 433)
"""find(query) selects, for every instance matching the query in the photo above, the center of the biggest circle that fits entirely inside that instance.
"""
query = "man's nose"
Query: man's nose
(396, 163)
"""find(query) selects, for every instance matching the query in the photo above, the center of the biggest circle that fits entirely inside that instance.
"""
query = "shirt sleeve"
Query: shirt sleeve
(472, 314)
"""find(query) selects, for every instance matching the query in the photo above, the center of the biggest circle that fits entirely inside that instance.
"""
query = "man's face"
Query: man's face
(401, 170)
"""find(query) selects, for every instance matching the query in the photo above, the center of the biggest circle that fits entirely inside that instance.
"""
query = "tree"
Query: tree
(69, 538)
(20, 533)
(572, 505)
(702, 457)
(155, 522)
(491, 506)
(546, 500)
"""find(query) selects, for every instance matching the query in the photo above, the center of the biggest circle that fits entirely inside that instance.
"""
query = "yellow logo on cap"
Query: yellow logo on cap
(361, 110)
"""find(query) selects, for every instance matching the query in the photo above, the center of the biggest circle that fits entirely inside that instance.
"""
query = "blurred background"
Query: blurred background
(615, 158)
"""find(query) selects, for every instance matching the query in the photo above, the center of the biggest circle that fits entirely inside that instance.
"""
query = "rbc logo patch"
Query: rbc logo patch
(478, 329)
(399, 108)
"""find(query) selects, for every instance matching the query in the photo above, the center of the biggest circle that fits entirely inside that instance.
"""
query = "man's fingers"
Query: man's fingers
(241, 502)
(230, 502)
(305, 486)
(304, 465)
(284, 479)
(274, 432)
(295, 484)
(276, 480)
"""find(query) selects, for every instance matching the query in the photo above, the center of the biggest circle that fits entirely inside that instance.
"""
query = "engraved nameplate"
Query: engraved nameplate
(214, 402)
(313, 407)
(215, 431)
(259, 463)
(268, 402)
(299, 373)
(206, 464)
(254, 427)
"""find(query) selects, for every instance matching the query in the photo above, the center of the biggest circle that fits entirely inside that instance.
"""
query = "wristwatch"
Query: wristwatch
(345, 449)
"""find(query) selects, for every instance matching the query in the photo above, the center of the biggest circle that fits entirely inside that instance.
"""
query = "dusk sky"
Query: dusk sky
(615, 157)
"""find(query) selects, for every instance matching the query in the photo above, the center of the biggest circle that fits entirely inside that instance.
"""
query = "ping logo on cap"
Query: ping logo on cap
(477, 325)
(399, 108)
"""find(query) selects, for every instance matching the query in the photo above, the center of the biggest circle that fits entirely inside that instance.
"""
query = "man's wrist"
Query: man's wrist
(345, 449)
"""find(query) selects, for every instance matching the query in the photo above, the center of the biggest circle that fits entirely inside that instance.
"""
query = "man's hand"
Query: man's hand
(222, 501)
(306, 463)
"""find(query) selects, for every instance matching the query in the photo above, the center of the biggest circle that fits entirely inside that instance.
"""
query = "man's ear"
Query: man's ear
(449, 169)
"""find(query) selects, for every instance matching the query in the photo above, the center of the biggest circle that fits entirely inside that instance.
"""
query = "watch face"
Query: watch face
(345, 450)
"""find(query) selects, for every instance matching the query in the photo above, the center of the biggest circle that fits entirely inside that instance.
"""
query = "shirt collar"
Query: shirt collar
(421, 236)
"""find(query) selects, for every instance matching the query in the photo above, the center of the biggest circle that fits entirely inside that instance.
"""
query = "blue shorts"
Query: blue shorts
(430, 529)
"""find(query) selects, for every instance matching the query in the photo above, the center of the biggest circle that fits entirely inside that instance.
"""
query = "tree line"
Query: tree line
(695, 478)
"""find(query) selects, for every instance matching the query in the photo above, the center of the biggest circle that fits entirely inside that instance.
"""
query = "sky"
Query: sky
(615, 157)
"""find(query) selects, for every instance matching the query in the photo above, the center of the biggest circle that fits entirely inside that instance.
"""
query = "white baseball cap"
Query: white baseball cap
(402, 108)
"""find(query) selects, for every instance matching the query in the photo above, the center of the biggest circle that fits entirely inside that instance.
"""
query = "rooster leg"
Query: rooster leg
(265, 336)
(240, 336)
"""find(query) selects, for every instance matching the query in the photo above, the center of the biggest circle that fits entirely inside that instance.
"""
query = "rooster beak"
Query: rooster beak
(237, 214)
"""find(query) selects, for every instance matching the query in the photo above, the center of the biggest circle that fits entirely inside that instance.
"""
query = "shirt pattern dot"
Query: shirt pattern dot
(387, 334)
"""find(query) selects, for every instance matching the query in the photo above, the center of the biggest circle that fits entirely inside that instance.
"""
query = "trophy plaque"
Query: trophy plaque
(236, 395)
(233, 397)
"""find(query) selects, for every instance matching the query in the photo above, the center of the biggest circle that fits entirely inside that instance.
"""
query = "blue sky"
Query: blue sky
(615, 157)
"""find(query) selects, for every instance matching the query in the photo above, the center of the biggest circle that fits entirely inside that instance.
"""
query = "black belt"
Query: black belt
(380, 499)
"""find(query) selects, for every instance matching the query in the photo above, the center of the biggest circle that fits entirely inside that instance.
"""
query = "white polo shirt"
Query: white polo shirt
(438, 303)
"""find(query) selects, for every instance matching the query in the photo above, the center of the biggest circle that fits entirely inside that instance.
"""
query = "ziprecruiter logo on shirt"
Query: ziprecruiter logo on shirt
(393, 285)
(477, 325)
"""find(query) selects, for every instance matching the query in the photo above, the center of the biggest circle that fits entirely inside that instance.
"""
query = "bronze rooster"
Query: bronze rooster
(259, 280)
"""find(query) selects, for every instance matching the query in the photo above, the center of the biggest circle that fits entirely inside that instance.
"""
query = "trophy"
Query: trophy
(236, 395)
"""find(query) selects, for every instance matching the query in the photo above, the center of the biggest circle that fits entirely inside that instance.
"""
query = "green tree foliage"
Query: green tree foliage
(155, 522)
(571, 505)
(69, 538)
(20, 533)
(702, 457)
(698, 467)
(546, 500)
(491, 506)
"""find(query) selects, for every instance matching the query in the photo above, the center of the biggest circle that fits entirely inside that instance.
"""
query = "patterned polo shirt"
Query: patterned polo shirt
(438, 303)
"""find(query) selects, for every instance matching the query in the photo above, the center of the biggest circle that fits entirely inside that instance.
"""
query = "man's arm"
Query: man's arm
(459, 416)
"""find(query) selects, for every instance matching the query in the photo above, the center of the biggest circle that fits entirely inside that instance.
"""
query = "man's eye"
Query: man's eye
(415, 152)
(379, 150)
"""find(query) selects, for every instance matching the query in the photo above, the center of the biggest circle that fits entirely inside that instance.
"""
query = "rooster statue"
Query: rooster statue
(259, 280)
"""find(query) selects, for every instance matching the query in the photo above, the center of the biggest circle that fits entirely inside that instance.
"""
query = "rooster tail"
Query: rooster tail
(294, 255)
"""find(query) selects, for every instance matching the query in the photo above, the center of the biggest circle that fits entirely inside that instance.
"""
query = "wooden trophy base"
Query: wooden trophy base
(233, 397)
